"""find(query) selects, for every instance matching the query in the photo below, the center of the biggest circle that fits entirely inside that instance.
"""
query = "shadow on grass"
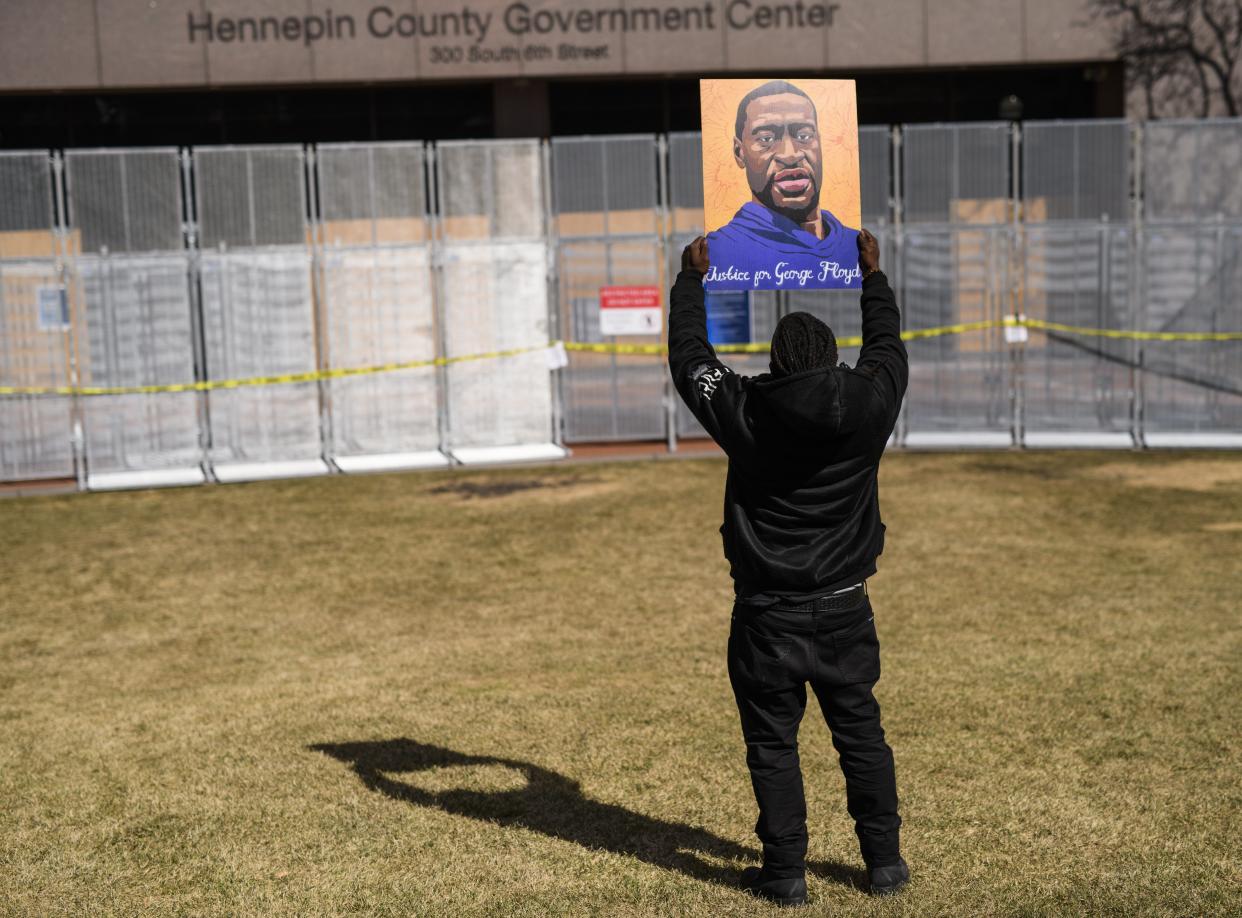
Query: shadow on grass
(554, 805)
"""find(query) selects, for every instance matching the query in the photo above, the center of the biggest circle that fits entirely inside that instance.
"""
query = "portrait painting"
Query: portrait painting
(781, 194)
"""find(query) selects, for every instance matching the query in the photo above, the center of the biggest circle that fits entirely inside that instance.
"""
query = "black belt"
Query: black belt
(836, 602)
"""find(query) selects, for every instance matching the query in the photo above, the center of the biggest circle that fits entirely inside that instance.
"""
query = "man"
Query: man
(776, 140)
(802, 532)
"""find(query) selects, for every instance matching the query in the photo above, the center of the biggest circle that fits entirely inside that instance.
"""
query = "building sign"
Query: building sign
(53, 308)
(183, 43)
(520, 21)
(514, 37)
(629, 310)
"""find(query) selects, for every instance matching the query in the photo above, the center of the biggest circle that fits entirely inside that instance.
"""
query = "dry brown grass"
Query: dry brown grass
(441, 694)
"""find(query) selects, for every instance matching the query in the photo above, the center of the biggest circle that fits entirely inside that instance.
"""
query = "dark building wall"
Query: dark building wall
(511, 108)
(897, 97)
(241, 116)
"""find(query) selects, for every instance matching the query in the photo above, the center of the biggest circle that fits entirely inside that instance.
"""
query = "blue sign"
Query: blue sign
(728, 317)
(53, 306)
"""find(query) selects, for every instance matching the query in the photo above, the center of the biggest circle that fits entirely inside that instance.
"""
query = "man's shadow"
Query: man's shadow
(554, 805)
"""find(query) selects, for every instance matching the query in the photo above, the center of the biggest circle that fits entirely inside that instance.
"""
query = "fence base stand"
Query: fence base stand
(1192, 440)
(983, 439)
(230, 472)
(1069, 439)
(391, 462)
(154, 478)
(491, 455)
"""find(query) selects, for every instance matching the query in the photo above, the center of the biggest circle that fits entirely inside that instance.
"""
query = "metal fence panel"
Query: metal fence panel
(1075, 256)
(685, 222)
(1076, 170)
(609, 396)
(1192, 275)
(959, 383)
(125, 201)
(249, 197)
(257, 307)
(493, 288)
(1191, 168)
(875, 167)
(685, 196)
(956, 173)
(133, 280)
(104, 292)
(376, 295)
(1078, 274)
(496, 300)
(35, 340)
(605, 199)
(955, 268)
(685, 179)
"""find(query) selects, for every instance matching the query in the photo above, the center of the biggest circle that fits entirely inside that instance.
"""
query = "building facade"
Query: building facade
(106, 72)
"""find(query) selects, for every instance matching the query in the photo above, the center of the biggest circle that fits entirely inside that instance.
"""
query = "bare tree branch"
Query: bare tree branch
(1226, 50)
(1205, 107)
(1182, 54)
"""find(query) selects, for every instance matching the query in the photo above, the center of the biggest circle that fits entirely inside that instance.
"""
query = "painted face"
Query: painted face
(779, 149)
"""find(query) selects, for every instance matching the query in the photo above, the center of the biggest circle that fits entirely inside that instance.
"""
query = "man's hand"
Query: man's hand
(868, 252)
(694, 256)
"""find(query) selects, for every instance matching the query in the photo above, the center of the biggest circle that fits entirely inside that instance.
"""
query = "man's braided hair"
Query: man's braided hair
(802, 342)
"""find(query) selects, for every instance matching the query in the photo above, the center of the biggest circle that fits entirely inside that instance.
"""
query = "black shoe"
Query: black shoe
(887, 881)
(790, 891)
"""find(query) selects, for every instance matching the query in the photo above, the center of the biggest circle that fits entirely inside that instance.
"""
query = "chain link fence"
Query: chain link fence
(257, 309)
(607, 209)
(1075, 262)
(36, 347)
(493, 283)
(131, 275)
(957, 214)
(1191, 245)
(378, 307)
(354, 278)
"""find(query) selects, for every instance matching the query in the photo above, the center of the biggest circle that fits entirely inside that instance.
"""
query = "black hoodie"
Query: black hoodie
(801, 506)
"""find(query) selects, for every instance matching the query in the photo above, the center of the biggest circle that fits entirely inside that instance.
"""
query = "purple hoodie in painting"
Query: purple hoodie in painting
(761, 250)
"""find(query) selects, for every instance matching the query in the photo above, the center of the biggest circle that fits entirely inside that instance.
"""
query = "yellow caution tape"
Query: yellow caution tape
(601, 348)
(762, 347)
(1130, 335)
(310, 376)
(920, 333)
(604, 348)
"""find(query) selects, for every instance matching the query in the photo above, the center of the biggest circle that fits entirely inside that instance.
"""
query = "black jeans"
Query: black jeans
(773, 653)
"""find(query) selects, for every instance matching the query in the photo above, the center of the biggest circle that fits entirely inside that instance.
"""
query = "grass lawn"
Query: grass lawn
(504, 693)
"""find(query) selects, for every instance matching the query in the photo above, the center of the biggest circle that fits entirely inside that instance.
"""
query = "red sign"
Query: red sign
(630, 310)
(629, 298)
